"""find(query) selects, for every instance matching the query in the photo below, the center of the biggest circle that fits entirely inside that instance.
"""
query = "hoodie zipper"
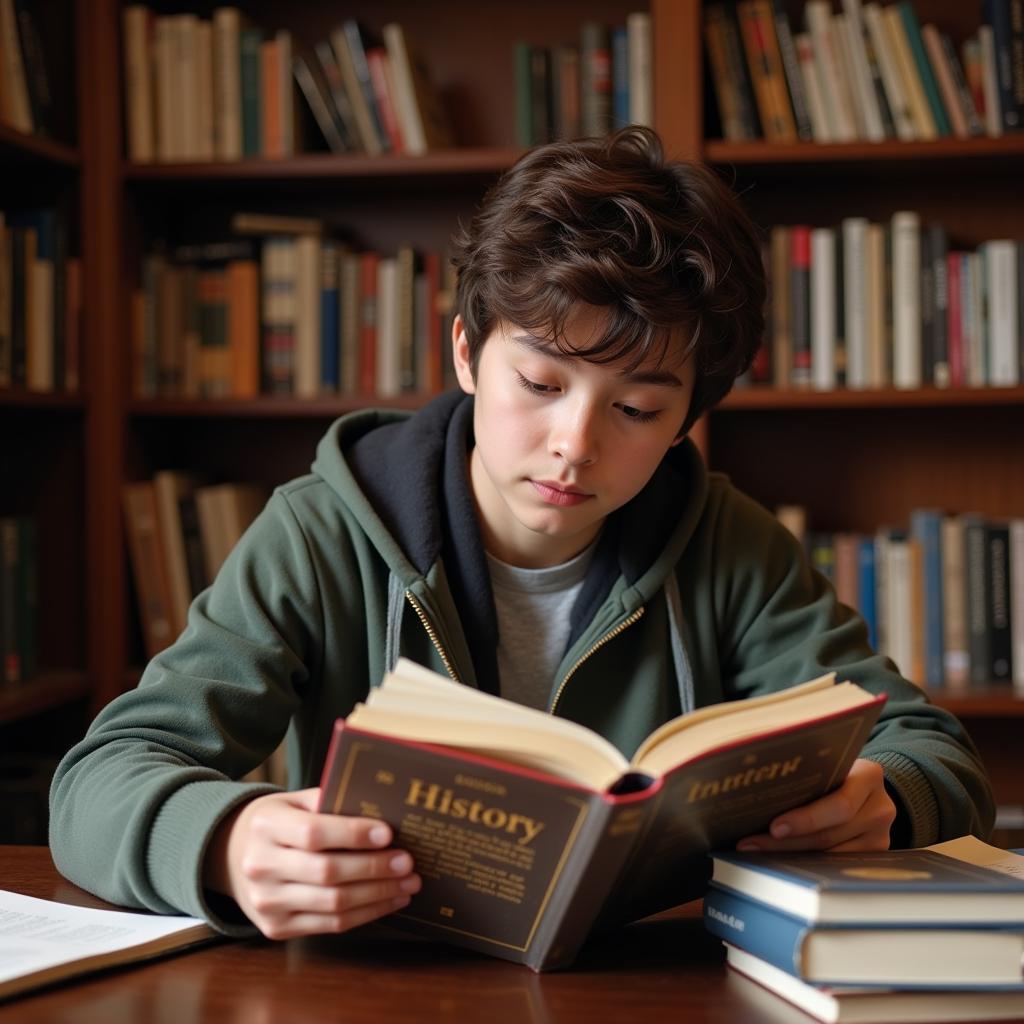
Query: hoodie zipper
(625, 624)
(432, 633)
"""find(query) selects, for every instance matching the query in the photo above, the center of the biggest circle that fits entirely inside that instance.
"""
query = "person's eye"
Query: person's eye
(533, 387)
(639, 415)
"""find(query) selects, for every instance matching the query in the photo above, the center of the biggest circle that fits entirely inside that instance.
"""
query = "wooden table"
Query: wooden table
(666, 967)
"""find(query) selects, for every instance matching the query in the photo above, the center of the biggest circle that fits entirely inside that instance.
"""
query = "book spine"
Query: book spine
(1017, 603)
(759, 929)
(938, 249)
(620, 77)
(1000, 258)
(640, 85)
(955, 658)
(926, 528)
(863, 82)
(937, 55)
(855, 300)
(996, 13)
(800, 305)
(888, 67)
(357, 48)
(602, 850)
(867, 587)
(794, 78)
(906, 300)
(823, 308)
(249, 41)
(596, 78)
(977, 586)
(924, 69)
(330, 316)
(1000, 646)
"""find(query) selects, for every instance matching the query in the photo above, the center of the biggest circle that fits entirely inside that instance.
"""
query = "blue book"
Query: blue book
(889, 954)
(963, 881)
(620, 77)
(926, 529)
(866, 587)
(330, 316)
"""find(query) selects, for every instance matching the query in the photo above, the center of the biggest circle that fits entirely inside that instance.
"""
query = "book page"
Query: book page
(41, 940)
(974, 851)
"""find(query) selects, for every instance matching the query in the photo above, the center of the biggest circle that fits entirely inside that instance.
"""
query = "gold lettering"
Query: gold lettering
(704, 789)
(433, 797)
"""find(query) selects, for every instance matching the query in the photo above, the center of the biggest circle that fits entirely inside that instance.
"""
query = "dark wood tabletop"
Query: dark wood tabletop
(663, 966)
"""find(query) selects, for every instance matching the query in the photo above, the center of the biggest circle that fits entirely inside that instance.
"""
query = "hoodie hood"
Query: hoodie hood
(405, 478)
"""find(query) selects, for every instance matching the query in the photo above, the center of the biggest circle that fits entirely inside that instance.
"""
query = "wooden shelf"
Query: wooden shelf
(51, 401)
(456, 164)
(20, 148)
(286, 407)
(46, 691)
(813, 154)
(994, 701)
(759, 397)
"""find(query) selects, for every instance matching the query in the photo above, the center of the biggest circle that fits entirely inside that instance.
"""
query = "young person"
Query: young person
(548, 533)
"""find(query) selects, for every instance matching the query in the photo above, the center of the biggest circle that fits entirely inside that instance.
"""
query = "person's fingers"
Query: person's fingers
(297, 898)
(288, 864)
(293, 925)
(287, 824)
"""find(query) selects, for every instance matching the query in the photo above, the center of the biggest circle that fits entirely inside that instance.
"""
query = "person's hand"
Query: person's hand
(855, 817)
(293, 871)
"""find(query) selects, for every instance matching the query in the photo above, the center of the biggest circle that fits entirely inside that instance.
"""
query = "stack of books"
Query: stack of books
(932, 934)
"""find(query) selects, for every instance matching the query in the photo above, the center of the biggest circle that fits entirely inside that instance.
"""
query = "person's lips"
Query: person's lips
(560, 494)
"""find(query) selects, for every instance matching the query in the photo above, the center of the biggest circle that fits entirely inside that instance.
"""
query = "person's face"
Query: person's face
(562, 442)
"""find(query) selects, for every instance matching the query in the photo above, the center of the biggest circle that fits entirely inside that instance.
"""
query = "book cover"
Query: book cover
(519, 855)
(962, 881)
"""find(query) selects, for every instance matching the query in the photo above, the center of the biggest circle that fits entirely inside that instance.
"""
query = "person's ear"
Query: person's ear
(460, 355)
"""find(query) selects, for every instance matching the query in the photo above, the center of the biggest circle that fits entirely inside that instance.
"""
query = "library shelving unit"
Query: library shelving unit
(44, 456)
(860, 460)
(854, 460)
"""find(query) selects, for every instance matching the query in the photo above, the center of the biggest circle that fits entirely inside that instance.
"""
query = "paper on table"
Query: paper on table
(42, 941)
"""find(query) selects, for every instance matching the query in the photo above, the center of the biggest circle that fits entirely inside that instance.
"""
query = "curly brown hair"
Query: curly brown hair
(610, 222)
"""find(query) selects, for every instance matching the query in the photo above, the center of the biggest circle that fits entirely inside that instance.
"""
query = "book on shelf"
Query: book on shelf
(871, 305)
(47, 942)
(600, 82)
(527, 828)
(861, 71)
(422, 116)
(40, 302)
(761, 982)
(179, 533)
(943, 598)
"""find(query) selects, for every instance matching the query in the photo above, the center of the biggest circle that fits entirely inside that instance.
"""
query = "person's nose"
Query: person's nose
(574, 435)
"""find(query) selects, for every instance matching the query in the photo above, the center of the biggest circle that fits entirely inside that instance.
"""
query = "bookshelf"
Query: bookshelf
(858, 460)
(832, 452)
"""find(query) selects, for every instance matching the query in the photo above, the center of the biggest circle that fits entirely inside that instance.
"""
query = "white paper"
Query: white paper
(38, 934)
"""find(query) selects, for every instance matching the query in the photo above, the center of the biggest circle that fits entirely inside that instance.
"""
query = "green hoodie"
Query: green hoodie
(695, 595)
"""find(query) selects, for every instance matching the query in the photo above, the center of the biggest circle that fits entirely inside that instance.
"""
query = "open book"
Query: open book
(527, 828)
(42, 942)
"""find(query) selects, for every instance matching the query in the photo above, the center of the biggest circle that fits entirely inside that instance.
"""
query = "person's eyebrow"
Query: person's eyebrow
(659, 378)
